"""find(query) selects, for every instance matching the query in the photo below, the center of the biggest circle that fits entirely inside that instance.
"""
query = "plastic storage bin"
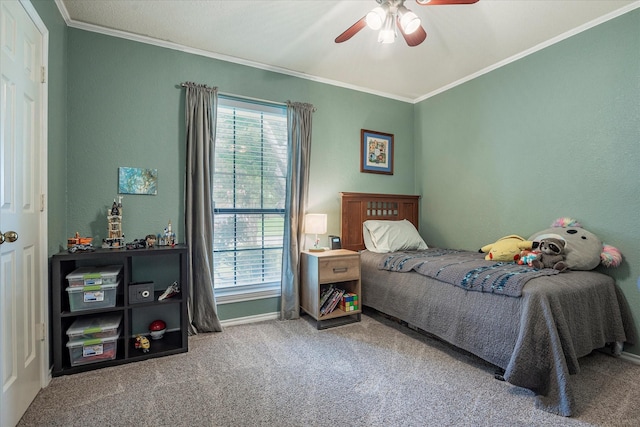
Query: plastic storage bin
(92, 327)
(91, 297)
(91, 276)
(95, 350)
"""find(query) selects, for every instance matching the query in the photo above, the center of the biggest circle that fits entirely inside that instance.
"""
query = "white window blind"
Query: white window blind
(249, 188)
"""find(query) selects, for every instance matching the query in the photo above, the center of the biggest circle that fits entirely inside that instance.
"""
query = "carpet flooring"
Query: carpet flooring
(287, 373)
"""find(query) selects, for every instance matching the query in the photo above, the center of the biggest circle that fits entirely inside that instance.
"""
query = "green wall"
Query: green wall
(57, 123)
(554, 134)
(126, 108)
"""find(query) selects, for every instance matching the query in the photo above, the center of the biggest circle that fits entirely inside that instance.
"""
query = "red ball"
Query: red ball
(157, 325)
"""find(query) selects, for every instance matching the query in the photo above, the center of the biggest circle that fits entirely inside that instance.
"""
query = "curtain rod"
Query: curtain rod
(249, 98)
(192, 84)
(231, 95)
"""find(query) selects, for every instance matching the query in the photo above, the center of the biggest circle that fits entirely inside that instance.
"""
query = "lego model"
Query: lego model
(114, 230)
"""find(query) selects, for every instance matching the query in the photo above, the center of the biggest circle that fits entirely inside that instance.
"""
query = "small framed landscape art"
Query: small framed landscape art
(376, 152)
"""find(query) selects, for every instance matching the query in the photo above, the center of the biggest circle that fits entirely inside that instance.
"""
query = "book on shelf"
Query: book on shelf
(327, 301)
(326, 293)
(331, 302)
(336, 300)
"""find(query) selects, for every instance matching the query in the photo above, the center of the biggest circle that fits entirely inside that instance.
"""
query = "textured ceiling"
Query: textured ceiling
(297, 37)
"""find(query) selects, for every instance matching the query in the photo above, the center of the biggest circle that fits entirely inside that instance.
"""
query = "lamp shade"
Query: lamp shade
(315, 223)
(388, 33)
(409, 21)
(375, 18)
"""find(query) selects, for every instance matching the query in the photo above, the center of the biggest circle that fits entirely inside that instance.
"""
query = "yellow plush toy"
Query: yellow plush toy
(506, 248)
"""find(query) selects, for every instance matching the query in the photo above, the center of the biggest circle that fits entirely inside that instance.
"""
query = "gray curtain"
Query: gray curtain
(299, 144)
(200, 113)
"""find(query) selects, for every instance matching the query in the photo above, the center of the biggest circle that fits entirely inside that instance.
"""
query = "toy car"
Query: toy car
(80, 247)
(77, 240)
(137, 244)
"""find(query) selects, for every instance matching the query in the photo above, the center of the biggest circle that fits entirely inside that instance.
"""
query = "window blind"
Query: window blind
(249, 186)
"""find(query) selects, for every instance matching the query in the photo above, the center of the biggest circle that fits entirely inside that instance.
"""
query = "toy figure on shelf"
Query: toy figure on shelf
(114, 220)
(168, 237)
(172, 290)
(151, 240)
(142, 343)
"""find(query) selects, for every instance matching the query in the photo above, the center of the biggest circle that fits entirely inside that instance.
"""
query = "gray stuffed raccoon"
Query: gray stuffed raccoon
(551, 254)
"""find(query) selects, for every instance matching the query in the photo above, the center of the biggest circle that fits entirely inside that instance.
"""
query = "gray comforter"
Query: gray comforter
(466, 269)
(536, 338)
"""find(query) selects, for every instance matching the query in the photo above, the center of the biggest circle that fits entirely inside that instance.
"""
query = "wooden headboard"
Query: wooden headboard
(356, 208)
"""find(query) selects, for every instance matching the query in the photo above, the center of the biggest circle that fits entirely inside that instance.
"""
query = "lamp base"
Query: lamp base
(316, 249)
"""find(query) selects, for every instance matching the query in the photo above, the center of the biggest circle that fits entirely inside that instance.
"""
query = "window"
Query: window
(249, 188)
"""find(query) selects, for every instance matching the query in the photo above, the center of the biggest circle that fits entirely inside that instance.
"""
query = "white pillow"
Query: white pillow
(390, 236)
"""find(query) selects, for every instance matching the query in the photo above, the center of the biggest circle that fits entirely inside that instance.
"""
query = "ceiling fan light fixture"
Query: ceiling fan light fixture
(386, 36)
(388, 33)
(408, 20)
(392, 15)
(376, 18)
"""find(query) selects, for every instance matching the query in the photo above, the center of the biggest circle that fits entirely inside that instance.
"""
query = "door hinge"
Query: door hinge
(43, 74)
(41, 202)
(40, 331)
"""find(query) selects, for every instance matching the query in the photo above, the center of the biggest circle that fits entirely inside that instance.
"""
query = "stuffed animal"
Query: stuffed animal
(506, 248)
(527, 256)
(551, 254)
(583, 250)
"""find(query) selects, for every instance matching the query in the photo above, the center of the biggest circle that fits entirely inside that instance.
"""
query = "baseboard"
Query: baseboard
(630, 357)
(250, 319)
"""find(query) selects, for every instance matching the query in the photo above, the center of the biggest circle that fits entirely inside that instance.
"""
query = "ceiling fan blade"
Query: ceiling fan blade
(415, 38)
(444, 2)
(352, 30)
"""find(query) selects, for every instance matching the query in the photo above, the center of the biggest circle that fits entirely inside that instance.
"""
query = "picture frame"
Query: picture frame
(137, 181)
(376, 152)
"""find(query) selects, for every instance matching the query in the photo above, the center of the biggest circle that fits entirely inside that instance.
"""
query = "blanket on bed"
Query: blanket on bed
(466, 269)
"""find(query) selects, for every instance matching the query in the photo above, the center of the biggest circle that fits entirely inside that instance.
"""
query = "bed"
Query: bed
(537, 338)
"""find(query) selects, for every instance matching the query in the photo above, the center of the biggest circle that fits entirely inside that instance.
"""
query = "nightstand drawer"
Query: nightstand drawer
(339, 269)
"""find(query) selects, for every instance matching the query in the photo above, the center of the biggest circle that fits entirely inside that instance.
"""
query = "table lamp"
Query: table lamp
(315, 224)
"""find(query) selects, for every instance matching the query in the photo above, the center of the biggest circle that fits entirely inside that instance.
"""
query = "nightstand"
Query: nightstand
(335, 269)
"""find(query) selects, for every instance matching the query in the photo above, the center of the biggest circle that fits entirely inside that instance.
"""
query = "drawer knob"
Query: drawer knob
(340, 270)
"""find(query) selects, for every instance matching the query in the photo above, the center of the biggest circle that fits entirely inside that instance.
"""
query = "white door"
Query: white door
(22, 291)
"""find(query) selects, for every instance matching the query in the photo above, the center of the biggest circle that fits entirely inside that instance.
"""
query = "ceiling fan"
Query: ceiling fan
(390, 14)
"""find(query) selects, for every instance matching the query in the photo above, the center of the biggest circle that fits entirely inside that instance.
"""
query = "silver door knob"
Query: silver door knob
(9, 236)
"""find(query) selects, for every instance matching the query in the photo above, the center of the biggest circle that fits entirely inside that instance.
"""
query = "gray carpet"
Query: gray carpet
(287, 373)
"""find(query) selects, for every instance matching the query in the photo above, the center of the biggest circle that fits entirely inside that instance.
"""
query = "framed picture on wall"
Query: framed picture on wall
(137, 181)
(376, 152)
